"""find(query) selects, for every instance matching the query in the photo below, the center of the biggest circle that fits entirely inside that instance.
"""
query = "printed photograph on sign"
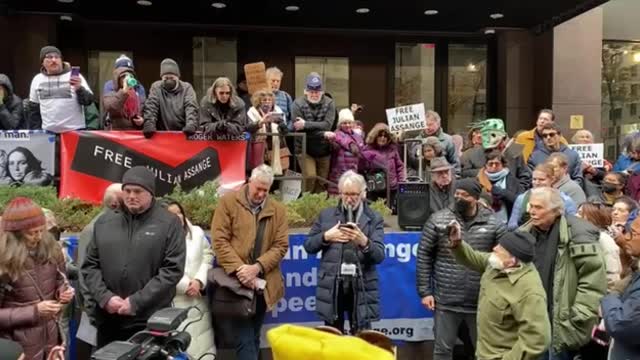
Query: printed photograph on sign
(593, 154)
(407, 118)
(29, 162)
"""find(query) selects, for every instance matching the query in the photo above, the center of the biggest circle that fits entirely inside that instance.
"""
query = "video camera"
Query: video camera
(161, 340)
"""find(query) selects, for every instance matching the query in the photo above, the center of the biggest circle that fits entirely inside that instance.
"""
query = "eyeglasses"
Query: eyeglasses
(549, 135)
(384, 135)
(52, 56)
(224, 92)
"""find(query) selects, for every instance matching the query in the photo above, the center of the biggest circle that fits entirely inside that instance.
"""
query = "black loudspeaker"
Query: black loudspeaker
(413, 205)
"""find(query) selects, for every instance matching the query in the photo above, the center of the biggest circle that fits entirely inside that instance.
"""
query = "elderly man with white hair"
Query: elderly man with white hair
(350, 237)
(111, 200)
(434, 128)
(283, 99)
(571, 268)
(250, 238)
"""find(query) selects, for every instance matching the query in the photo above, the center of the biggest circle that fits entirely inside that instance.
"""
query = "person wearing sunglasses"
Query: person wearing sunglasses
(532, 139)
(222, 111)
(551, 136)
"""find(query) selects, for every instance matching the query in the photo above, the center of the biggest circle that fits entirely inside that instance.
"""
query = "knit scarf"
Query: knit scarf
(131, 106)
(256, 116)
(498, 179)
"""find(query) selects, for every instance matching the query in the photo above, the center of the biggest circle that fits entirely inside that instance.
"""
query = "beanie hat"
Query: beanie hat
(123, 62)
(314, 82)
(345, 115)
(141, 176)
(169, 66)
(470, 185)
(22, 214)
(49, 49)
(519, 244)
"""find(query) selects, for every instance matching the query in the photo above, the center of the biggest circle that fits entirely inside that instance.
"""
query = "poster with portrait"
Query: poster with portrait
(27, 157)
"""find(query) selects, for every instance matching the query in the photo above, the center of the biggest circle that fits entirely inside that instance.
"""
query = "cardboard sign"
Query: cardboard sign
(592, 154)
(407, 118)
(291, 189)
(256, 77)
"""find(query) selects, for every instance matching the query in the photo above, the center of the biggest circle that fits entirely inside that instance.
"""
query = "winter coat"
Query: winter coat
(216, 118)
(140, 257)
(541, 154)
(372, 225)
(621, 315)
(199, 259)
(171, 110)
(11, 113)
(506, 196)
(579, 283)
(318, 118)
(113, 103)
(512, 309)
(612, 263)
(19, 318)
(531, 141)
(140, 90)
(449, 149)
(474, 159)
(233, 230)
(572, 189)
(454, 287)
(387, 158)
(342, 159)
(519, 214)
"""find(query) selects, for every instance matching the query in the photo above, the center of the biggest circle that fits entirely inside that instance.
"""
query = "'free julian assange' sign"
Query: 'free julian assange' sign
(590, 153)
(407, 118)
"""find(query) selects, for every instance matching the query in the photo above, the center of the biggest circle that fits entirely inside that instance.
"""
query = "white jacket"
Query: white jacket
(611, 253)
(198, 261)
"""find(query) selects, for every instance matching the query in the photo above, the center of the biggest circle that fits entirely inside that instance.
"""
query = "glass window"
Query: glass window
(100, 69)
(415, 74)
(620, 93)
(467, 86)
(334, 72)
(212, 58)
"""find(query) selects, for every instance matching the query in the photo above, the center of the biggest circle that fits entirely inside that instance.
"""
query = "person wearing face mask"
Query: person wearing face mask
(514, 322)
(446, 287)
(569, 260)
(612, 188)
(346, 146)
(172, 104)
(222, 111)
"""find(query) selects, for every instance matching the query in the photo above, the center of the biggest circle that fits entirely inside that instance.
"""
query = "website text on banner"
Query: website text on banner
(90, 161)
(403, 317)
(27, 157)
(407, 118)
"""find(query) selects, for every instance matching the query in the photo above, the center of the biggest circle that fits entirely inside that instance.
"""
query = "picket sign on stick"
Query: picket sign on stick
(256, 76)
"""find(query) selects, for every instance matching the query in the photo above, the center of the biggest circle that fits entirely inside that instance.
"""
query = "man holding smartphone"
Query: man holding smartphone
(446, 287)
(58, 95)
(351, 240)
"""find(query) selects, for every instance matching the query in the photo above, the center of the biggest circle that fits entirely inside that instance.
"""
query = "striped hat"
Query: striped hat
(22, 214)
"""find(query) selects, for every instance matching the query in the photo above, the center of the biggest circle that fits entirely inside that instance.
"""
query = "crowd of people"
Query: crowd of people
(529, 248)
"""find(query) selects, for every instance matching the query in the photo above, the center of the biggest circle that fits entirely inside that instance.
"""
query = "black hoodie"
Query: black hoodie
(11, 114)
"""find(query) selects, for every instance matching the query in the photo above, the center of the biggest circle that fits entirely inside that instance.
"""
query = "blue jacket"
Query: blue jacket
(621, 314)
(541, 153)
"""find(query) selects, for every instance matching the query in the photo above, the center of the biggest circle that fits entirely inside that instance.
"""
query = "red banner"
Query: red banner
(92, 160)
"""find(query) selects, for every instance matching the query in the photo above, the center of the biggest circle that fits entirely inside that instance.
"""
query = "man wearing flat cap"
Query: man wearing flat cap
(512, 317)
(134, 260)
(446, 287)
(441, 188)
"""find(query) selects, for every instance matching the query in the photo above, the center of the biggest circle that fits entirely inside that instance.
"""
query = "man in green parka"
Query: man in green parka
(512, 308)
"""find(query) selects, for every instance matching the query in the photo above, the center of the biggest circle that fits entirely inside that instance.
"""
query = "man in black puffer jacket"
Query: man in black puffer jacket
(443, 285)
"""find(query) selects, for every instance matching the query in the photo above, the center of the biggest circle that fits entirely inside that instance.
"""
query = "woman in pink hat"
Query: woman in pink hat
(33, 287)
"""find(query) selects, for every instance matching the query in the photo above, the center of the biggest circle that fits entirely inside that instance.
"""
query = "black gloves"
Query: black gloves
(148, 129)
(189, 129)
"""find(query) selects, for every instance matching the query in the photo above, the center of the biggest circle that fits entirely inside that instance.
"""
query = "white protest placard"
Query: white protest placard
(407, 118)
(593, 154)
(291, 189)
